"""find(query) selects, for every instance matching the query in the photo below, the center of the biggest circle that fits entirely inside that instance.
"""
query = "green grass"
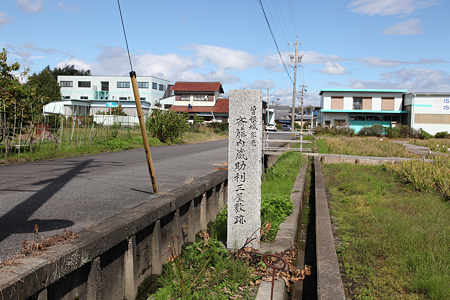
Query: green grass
(322, 146)
(205, 271)
(394, 238)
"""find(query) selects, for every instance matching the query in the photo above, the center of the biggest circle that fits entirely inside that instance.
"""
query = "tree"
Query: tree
(68, 70)
(13, 96)
(46, 89)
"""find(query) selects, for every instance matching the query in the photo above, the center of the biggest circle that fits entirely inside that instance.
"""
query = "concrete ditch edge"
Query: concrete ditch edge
(329, 281)
(285, 239)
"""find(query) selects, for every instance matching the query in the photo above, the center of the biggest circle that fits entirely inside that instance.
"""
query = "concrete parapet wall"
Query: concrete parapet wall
(110, 260)
(329, 282)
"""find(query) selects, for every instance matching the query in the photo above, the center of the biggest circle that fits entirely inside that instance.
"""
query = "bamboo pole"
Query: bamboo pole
(137, 99)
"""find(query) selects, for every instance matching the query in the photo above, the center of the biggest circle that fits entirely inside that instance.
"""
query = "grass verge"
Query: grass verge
(48, 151)
(394, 238)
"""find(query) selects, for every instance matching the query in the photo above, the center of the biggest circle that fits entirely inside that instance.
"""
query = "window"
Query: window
(142, 98)
(199, 97)
(396, 118)
(142, 85)
(377, 118)
(154, 85)
(387, 103)
(122, 98)
(83, 97)
(167, 106)
(337, 102)
(66, 97)
(123, 84)
(327, 122)
(387, 118)
(66, 83)
(357, 118)
(339, 122)
(357, 103)
(185, 97)
(161, 87)
(86, 84)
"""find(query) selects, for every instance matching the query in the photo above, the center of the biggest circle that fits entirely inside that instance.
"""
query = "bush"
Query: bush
(404, 131)
(336, 130)
(442, 135)
(374, 130)
(392, 132)
(425, 135)
(219, 127)
(167, 126)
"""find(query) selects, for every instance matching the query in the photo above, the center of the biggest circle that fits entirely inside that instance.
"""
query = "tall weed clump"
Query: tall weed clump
(425, 176)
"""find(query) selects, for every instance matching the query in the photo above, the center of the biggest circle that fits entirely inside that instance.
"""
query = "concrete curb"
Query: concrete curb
(329, 282)
(285, 239)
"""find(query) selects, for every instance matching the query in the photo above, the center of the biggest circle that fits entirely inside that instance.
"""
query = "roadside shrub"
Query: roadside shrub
(404, 131)
(392, 132)
(167, 126)
(425, 135)
(442, 135)
(374, 130)
(336, 130)
(219, 127)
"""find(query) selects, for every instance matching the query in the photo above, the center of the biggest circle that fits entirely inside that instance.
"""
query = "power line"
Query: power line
(125, 35)
(265, 16)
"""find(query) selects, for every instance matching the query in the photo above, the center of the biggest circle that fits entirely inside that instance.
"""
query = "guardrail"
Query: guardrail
(112, 259)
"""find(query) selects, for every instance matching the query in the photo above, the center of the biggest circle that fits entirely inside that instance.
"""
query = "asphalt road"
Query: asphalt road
(80, 192)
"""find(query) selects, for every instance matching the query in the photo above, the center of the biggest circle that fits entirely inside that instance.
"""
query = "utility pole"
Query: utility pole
(294, 59)
(268, 106)
(303, 94)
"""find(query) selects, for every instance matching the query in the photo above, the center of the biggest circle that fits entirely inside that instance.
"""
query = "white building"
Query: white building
(429, 111)
(84, 95)
(361, 107)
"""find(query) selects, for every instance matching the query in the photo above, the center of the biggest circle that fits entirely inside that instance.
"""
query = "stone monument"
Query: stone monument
(244, 167)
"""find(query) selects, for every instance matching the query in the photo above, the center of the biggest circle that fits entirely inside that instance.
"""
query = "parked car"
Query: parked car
(286, 127)
(271, 127)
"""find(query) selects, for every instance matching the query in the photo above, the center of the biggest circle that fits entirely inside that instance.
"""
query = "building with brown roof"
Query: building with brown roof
(201, 99)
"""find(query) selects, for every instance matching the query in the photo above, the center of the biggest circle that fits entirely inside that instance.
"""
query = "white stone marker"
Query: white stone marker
(244, 167)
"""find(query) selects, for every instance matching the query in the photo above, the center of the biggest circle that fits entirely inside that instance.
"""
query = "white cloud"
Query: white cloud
(410, 27)
(225, 58)
(5, 19)
(261, 84)
(389, 63)
(333, 69)
(114, 61)
(79, 64)
(29, 6)
(311, 57)
(32, 46)
(389, 7)
(423, 80)
(62, 6)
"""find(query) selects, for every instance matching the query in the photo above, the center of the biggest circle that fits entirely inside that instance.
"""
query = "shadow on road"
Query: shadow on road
(16, 220)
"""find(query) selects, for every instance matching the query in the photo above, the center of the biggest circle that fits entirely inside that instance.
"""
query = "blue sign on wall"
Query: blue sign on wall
(111, 104)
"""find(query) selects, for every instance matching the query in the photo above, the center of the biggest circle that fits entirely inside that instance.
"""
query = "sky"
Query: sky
(354, 44)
